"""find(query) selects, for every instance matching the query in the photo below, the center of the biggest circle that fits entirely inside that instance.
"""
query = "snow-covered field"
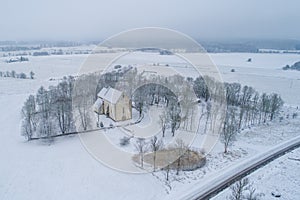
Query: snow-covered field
(264, 73)
(65, 170)
(279, 177)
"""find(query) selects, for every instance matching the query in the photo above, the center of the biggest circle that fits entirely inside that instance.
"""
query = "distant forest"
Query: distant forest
(215, 46)
(251, 46)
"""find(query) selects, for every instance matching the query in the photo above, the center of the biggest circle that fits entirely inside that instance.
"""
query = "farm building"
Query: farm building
(113, 103)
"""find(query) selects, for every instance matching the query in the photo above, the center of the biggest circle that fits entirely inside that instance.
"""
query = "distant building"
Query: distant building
(114, 104)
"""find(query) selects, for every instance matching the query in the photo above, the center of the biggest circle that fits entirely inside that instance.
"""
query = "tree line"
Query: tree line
(14, 74)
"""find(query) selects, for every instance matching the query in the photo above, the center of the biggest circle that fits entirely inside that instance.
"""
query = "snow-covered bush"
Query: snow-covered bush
(124, 141)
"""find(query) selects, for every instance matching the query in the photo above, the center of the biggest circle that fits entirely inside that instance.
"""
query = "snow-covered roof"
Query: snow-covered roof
(98, 104)
(110, 94)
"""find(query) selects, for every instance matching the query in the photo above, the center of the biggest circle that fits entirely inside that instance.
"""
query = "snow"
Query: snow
(154, 63)
(149, 125)
(65, 170)
(54, 66)
(281, 176)
(251, 144)
(264, 73)
(98, 104)
(110, 94)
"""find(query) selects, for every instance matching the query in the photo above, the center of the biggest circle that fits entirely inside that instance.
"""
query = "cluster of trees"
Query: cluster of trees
(159, 95)
(153, 94)
(31, 52)
(13, 47)
(84, 96)
(254, 108)
(49, 111)
(244, 105)
(59, 52)
(60, 109)
(40, 53)
(21, 59)
(170, 118)
(14, 74)
(295, 66)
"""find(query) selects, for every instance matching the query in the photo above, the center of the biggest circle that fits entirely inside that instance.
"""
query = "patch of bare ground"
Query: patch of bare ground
(174, 158)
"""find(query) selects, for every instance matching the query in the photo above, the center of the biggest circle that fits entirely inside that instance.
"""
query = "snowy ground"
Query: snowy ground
(250, 142)
(264, 73)
(64, 170)
(279, 177)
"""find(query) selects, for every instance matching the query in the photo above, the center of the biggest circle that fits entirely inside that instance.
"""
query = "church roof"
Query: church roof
(110, 94)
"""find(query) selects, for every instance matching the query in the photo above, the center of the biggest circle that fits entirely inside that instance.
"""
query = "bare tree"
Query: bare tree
(163, 122)
(84, 114)
(247, 93)
(230, 128)
(187, 105)
(62, 105)
(167, 170)
(252, 195)
(275, 104)
(265, 106)
(208, 114)
(168, 162)
(142, 147)
(174, 116)
(45, 124)
(84, 97)
(29, 118)
(155, 145)
(238, 189)
(243, 189)
(139, 99)
(180, 149)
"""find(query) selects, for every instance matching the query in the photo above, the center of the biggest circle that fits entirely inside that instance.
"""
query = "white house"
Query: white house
(113, 103)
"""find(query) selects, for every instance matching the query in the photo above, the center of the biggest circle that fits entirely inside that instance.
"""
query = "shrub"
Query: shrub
(23, 75)
(124, 141)
(101, 124)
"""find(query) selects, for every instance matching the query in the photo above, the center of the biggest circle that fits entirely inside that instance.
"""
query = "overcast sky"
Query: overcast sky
(98, 19)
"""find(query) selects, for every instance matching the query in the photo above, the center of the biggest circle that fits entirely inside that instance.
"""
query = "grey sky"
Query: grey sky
(96, 19)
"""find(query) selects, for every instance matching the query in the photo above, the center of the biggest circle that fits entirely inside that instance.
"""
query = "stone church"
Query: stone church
(114, 104)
